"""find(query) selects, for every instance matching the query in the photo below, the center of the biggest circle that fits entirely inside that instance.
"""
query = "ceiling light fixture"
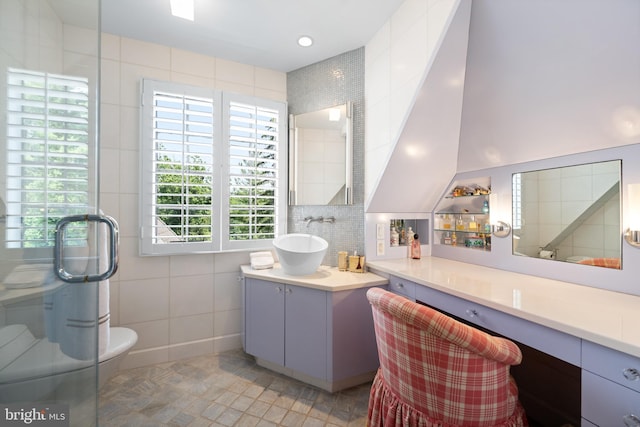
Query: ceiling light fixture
(305, 41)
(183, 9)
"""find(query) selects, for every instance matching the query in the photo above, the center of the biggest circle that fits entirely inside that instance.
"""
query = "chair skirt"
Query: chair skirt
(385, 410)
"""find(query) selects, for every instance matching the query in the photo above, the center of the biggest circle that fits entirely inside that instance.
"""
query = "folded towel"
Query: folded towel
(261, 254)
(261, 260)
(29, 276)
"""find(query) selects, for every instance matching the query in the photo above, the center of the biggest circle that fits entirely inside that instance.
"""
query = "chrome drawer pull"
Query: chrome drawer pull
(631, 374)
(631, 420)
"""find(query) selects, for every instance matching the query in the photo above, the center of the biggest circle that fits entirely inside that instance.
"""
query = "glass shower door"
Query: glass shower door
(49, 325)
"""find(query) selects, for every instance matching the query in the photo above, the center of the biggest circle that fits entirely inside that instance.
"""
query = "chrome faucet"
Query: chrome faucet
(308, 220)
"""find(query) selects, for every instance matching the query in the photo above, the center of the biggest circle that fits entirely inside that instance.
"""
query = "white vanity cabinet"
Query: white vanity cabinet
(318, 333)
(610, 387)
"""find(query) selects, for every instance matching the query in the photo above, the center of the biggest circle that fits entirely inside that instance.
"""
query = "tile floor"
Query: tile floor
(226, 389)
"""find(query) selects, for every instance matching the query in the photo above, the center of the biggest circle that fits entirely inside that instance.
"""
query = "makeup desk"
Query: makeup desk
(595, 331)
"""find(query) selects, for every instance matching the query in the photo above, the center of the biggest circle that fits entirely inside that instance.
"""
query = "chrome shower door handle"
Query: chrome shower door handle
(58, 252)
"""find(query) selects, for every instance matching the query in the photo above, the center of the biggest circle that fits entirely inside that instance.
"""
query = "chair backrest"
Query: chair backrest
(443, 368)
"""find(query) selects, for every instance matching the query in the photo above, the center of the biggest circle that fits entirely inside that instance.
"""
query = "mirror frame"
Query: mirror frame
(293, 156)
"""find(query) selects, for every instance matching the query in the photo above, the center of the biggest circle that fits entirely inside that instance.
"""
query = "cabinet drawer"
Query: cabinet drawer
(606, 404)
(558, 344)
(402, 287)
(619, 367)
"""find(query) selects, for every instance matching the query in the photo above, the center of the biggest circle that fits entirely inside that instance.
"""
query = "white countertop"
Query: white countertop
(326, 278)
(604, 317)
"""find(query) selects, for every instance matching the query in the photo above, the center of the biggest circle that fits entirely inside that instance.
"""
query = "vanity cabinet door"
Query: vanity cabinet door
(264, 320)
(306, 330)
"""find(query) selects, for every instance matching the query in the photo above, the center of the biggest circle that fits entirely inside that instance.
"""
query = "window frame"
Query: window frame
(220, 241)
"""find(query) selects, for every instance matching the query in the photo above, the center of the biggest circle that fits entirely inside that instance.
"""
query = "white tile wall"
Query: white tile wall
(180, 306)
(396, 59)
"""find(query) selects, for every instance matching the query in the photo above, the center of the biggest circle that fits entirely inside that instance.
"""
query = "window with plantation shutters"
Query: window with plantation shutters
(253, 139)
(47, 155)
(210, 175)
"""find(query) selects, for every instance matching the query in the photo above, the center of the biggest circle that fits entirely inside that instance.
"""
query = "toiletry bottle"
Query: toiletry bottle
(473, 225)
(447, 238)
(454, 239)
(415, 247)
(410, 237)
(395, 237)
(446, 222)
(460, 224)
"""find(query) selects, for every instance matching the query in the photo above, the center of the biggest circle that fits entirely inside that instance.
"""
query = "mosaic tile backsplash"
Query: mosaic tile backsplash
(325, 84)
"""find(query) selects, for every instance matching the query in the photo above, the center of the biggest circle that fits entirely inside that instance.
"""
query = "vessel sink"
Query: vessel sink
(300, 254)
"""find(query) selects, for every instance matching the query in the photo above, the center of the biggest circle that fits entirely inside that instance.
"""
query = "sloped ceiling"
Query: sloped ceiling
(549, 78)
(542, 79)
(424, 158)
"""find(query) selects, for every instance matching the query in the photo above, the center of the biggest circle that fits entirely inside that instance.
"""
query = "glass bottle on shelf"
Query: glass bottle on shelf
(446, 222)
(460, 224)
(395, 237)
(473, 225)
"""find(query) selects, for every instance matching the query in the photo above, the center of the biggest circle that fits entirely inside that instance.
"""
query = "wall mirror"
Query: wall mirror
(569, 214)
(321, 157)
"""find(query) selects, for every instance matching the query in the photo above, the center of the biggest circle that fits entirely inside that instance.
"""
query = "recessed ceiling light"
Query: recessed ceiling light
(305, 41)
(183, 9)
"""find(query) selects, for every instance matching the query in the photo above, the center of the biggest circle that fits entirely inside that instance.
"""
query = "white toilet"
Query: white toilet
(32, 368)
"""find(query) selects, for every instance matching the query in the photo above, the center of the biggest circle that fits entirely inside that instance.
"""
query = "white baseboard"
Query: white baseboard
(169, 353)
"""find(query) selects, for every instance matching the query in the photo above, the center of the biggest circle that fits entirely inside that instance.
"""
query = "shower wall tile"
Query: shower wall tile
(190, 328)
(144, 300)
(180, 306)
(145, 53)
(192, 63)
(189, 295)
(227, 292)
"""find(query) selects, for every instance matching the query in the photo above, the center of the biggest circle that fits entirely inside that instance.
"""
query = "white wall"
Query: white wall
(180, 306)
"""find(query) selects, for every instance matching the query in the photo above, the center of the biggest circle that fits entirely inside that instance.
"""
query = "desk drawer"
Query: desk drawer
(558, 344)
(402, 287)
(607, 404)
(618, 367)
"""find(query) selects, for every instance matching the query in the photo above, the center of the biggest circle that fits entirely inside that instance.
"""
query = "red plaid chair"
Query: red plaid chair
(436, 371)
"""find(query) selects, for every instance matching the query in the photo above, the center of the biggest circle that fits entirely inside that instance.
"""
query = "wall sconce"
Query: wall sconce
(499, 228)
(632, 234)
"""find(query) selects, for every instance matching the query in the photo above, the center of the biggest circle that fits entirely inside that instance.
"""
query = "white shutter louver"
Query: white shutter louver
(183, 168)
(47, 156)
(253, 171)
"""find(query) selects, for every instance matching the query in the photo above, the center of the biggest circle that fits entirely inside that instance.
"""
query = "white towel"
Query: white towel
(261, 260)
(29, 276)
(85, 306)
